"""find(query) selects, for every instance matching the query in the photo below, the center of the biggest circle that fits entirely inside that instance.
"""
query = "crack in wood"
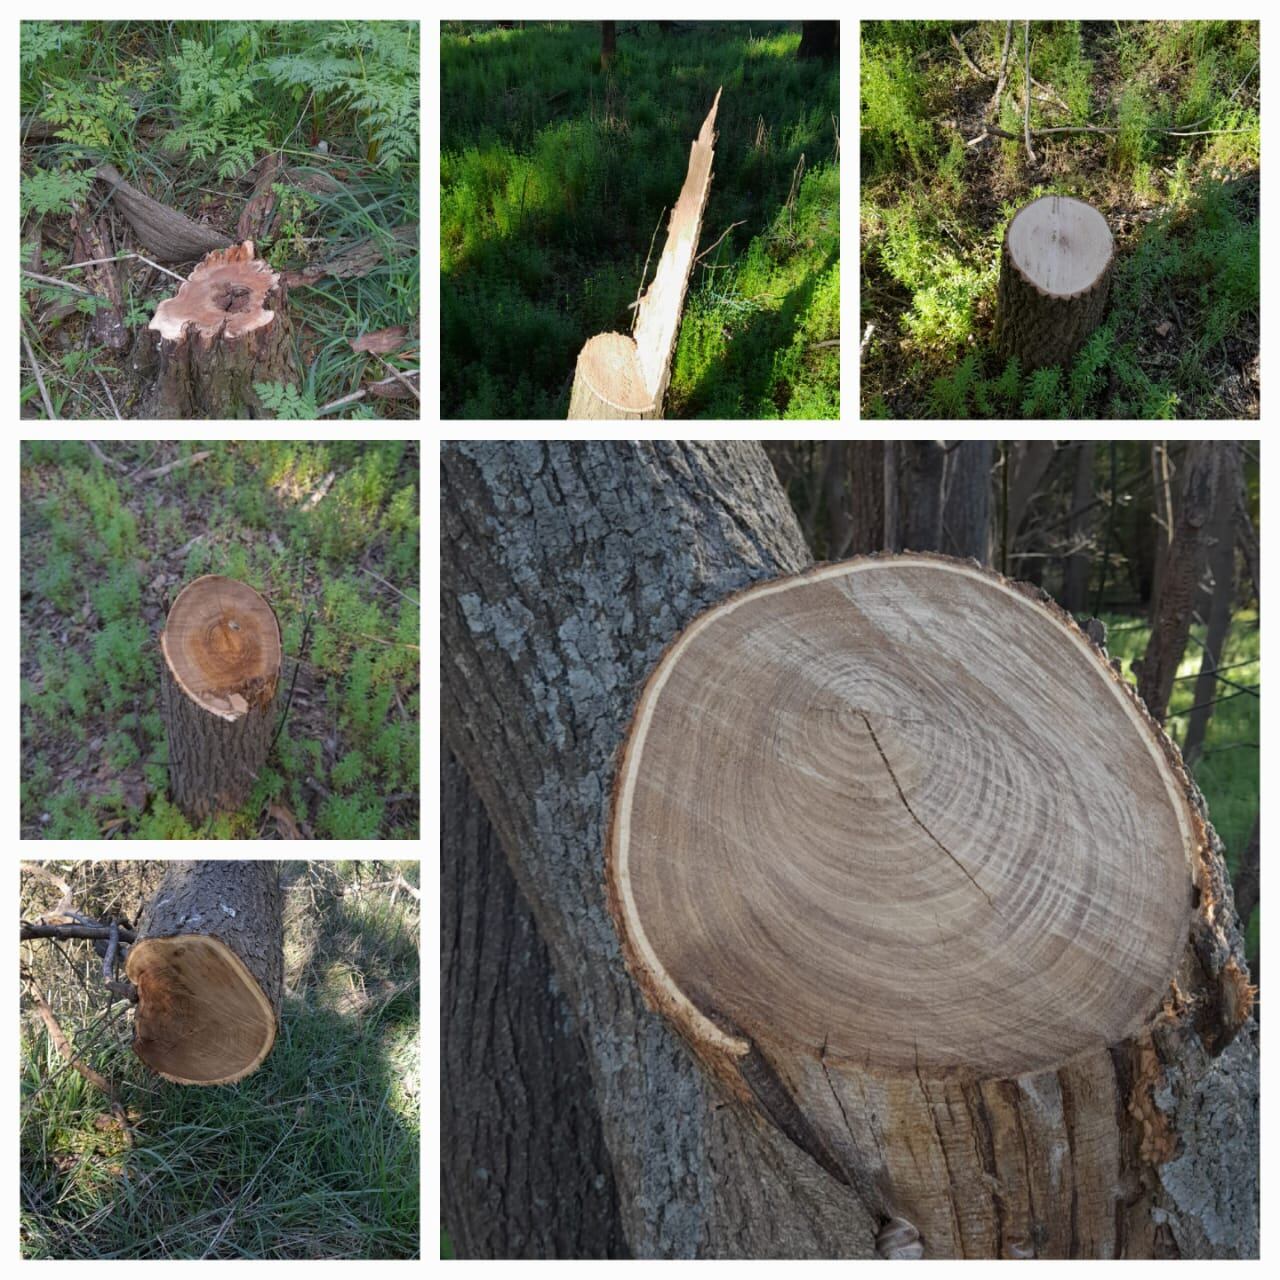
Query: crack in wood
(915, 817)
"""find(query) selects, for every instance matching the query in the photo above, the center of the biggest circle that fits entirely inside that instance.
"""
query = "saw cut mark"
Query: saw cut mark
(915, 817)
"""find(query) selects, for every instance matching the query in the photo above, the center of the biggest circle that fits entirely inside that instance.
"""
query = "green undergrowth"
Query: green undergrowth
(185, 110)
(556, 178)
(104, 555)
(315, 1155)
(1227, 771)
(1180, 338)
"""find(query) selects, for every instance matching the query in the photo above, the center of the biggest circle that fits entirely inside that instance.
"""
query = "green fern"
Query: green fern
(286, 403)
(1043, 398)
(54, 190)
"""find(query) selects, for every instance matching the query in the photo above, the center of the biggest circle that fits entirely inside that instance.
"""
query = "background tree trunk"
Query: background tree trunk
(1180, 581)
(566, 570)
(608, 43)
(208, 965)
(220, 678)
(225, 329)
(819, 40)
(866, 493)
(1162, 490)
(1075, 574)
(524, 1169)
(1055, 268)
(966, 513)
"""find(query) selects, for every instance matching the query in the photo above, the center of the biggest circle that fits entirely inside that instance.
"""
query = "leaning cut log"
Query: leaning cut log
(908, 864)
(226, 329)
(1055, 268)
(220, 675)
(164, 233)
(618, 376)
(208, 967)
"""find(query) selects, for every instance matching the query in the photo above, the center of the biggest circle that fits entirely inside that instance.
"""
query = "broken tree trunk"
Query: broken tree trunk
(163, 232)
(220, 675)
(226, 329)
(621, 377)
(922, 884)
(208, 966)
(1055, 268)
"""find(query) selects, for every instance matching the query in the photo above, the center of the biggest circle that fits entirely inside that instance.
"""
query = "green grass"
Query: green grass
(1184, 212)
(103, 555)
(554, 176)
(316, 1155)
(1227, 771)
(183, 109)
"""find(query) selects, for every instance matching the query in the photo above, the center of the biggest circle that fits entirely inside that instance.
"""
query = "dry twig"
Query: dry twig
(156, 472)
(102, 457)
(1026, 92)
(35, 368)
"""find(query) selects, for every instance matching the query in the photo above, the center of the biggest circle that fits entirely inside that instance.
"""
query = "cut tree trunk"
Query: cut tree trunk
(566, 573)
(220, 677)
(226, 329)
(208, 966)
(1055, 268)
(621, 377)
(163, 232)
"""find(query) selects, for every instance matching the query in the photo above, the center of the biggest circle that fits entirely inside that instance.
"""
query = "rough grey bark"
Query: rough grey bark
(1180, 581)
(566, 570)
(1075, 576)
(238, 903)
(966, 511)
(524, 1169)
(921, 469)
(213, 763)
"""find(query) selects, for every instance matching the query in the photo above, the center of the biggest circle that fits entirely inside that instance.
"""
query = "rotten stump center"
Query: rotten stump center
(231, 297)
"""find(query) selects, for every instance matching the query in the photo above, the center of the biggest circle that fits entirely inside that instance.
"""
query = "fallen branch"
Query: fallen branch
(102, 457)
(1026, 92)
(110, 398)
(720, 237)
(63, 1046)
(66, 932)
(156, 472)
(395, 373)
(35, 368)
(320, 490)
(170, 235)
(61, 284)
(122, 257)
(390, 586)
(994, 110)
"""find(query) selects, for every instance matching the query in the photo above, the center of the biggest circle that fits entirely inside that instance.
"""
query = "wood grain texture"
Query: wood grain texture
(208, 966)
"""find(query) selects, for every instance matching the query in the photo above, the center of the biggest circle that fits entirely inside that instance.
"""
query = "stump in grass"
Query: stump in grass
(225, 329)
(221, 670)
(908, 864)
(1055, 268)
(208, 967)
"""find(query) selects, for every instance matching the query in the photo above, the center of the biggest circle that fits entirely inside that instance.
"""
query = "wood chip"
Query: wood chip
(381, 341)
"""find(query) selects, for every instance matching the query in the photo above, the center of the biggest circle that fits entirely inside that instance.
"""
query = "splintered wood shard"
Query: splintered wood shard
(619, 376)
(913, 871)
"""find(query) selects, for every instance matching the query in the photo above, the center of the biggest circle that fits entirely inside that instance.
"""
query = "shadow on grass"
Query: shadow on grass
(316, 1155)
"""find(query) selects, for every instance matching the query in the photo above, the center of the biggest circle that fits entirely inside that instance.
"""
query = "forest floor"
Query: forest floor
(315, 1155)
(327, 532)
(1181, 339)
(1227, 771)
(192, 114)
(557, 177)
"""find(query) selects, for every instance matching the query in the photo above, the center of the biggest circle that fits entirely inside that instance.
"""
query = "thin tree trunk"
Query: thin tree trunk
(524, 1169)
(1075, 576)
(1162, 488)
(1180, 582)
(866, 495)
(1246, 882)
(608, 43)
(1221, 595)
(566, 571)
(892, 512)
(208, 965)
(923, 466)
(836, 494)
(966, 512)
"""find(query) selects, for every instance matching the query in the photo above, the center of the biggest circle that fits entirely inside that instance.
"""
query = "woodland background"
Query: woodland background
(316, 1155)
(327, 532)
(555, 174)
(1174, 166)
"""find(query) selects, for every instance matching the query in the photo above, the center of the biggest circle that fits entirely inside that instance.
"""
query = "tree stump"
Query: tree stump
(225, 329)
(208, 965)
(220, 674)
(910, 867)
(1055, 269)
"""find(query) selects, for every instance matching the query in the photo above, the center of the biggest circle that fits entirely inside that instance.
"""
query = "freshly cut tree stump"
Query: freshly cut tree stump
(208, 966)
(1055, 269)
(912, 870)
(221, 671)
(619, 376)
(225, 329)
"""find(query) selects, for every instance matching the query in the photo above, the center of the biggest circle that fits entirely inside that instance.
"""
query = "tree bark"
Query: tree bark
(866, 498)
(524, 1169)
(608, 43)
(1075, 573)
(1217, 601)
(1055, 269)
(1180, 582)
(226, 329)
(819, 40)
(566, 571)
(208, 965)
(966, 512)
(921, 468)
(1162, 490)
(220, 677)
